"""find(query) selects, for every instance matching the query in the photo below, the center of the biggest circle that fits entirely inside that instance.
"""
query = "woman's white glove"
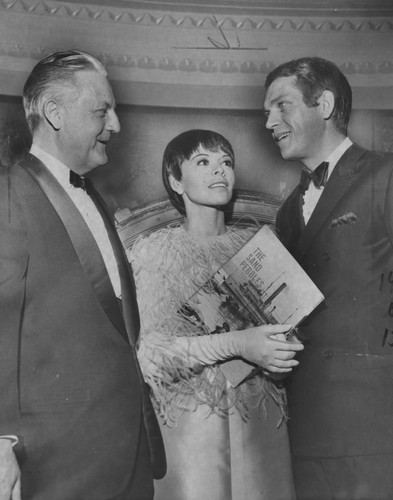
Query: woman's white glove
(265, 346)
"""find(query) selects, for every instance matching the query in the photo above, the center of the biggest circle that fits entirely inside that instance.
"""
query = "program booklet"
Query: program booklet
(261, 284)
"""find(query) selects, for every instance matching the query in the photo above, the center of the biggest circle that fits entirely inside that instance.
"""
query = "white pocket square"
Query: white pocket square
(348, 218)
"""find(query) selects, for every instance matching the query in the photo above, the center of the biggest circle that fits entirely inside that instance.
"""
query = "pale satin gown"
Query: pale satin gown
(210, 456)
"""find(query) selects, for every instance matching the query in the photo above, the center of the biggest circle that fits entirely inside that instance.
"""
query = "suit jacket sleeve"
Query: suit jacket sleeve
(13, 270)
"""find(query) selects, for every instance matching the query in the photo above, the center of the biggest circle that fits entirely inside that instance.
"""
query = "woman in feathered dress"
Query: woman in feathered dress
(222, 443)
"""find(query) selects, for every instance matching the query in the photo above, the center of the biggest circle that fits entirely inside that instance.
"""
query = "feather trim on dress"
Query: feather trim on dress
(170, 265)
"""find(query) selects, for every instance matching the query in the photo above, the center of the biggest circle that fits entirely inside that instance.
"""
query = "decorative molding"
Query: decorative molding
(193, 21)
(247, 207)
(189, 65)
(185, 58)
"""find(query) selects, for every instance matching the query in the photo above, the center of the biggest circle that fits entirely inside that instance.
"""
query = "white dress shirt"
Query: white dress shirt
(312, 194)
(87, 209)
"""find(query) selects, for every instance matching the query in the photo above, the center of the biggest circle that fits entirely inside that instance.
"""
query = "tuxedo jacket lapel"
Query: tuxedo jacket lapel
(83, 241)
(289, 220)
(129, 301)
(343, 176)
(131, 318)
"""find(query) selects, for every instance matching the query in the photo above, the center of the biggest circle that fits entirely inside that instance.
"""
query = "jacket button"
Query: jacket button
(327, 354)
(325, 257)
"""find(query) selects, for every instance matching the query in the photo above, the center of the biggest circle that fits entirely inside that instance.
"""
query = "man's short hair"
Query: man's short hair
(53, 77)
(314, 75)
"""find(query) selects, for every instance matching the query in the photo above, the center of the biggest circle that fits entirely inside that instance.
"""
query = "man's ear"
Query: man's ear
(176, 185)
(52, 113)
(326, 104)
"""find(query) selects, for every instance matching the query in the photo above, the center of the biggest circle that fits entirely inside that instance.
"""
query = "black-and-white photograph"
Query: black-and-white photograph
(143, 145)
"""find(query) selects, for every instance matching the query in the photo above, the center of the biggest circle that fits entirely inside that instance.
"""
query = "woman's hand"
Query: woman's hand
(267, 347)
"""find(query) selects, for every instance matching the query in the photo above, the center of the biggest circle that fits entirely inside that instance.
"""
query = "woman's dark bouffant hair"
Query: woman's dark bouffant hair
(181, 148)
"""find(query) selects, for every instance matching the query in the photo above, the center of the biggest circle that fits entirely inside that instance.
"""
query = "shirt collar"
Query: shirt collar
(338, 152)
(60, 171)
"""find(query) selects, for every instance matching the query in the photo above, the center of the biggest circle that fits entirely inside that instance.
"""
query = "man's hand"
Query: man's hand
(267, 346)
(9, 472)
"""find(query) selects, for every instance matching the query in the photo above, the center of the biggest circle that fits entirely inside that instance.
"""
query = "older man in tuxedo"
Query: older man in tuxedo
(75, 420)
(338, 223)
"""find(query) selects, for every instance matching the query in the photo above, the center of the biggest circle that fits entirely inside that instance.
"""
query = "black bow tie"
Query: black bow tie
(318, 176)
(77, 181)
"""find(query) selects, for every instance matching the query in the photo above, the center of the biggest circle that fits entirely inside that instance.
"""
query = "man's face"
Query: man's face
(297, 129)
(88, 119)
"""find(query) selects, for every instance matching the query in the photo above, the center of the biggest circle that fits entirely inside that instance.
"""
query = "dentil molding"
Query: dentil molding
(196, 58)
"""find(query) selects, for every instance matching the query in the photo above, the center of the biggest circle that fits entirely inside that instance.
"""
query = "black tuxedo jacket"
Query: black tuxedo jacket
(71, 389)
(340, 396)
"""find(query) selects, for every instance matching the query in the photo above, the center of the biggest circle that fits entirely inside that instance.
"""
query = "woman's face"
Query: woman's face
(207, 179)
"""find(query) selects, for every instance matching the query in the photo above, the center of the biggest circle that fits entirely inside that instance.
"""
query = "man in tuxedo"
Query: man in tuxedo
(338, 223)
(75, 420)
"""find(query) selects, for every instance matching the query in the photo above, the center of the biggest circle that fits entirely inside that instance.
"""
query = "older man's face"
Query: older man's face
(88, 120)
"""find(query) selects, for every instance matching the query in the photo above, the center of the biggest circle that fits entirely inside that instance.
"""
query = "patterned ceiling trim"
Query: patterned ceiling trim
(189, 65)
(128, 16)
